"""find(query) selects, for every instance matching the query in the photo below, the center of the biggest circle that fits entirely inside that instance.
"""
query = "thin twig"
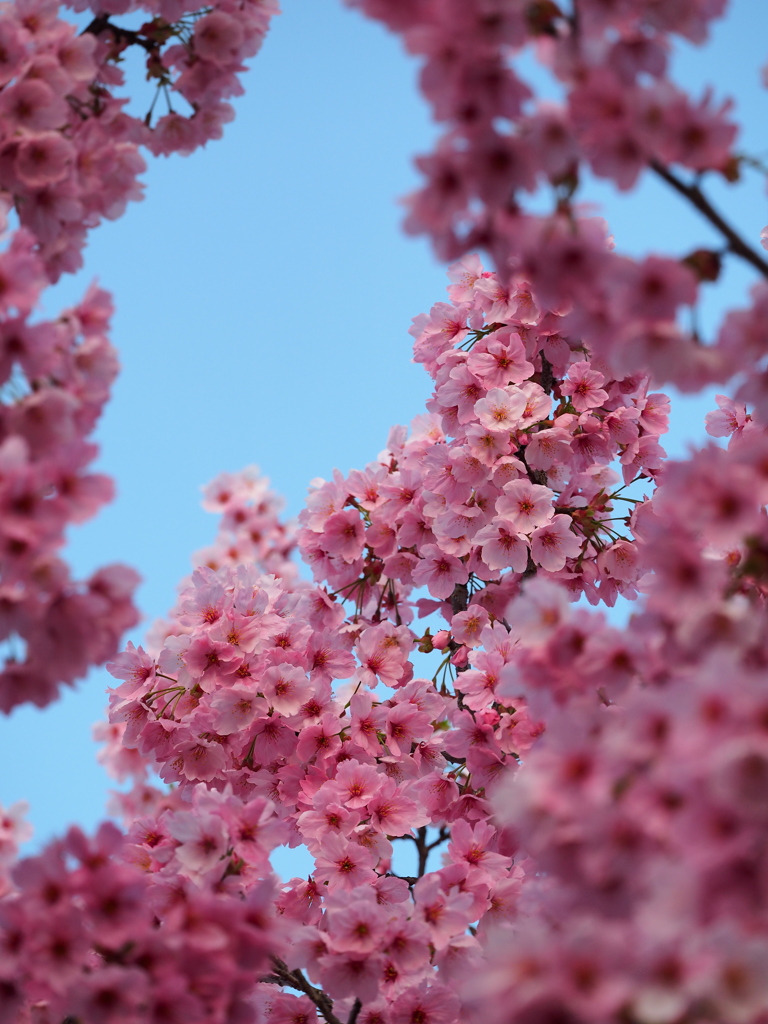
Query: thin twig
(694, 195)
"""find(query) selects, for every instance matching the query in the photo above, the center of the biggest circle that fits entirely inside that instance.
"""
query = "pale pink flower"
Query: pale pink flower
(502, 546)
(467, 626)
(538, 404)
(501, 409)
(538, 612)
(548, 448)
(439, 572)
(426, 1004)
(202, 839)
(620, 561)
(730, 418)
(344, 534)
(355, 925)
(236, 708)
(218, 37)
(500, 360)
(525, 505)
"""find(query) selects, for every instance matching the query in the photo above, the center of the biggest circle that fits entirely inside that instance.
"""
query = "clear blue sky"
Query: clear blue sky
(264, 291)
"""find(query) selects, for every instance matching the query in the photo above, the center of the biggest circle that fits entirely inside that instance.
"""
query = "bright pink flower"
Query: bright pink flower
(344, 535)
(343, 865)
(439, 572)
(356, 783)
(584, 387)
(392, 812)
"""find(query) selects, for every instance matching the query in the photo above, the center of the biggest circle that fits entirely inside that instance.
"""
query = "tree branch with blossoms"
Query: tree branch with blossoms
(599, 791)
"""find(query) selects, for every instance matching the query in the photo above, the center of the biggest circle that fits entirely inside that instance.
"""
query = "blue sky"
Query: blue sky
(264, 292)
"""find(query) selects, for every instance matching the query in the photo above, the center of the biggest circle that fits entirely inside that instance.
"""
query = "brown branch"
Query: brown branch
(295, 979)
(696, 197)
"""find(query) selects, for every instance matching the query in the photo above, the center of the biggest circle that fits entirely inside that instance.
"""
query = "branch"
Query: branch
(459, 598)
(295, 979)
(101, 23)
(694, 195)
(355, 1011)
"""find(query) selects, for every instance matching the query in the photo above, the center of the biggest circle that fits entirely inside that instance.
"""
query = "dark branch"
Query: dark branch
(694, 195)
(101, 23)
(355, 1011)
(459, 598)
(295, 979)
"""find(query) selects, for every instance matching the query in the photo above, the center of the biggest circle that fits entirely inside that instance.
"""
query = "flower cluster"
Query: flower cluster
(69, 153)
(509, 474)
(644, 805)
(251, 531)
(86, 937)
(620, 114)
(280, 720)
(68, 158)
(55, 378)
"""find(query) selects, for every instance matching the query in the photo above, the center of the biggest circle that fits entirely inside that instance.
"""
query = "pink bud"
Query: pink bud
(461, 657)
(440, 639)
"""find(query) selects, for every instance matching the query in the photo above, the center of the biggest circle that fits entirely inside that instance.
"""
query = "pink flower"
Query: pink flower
(552, 544)
(356, 783)
(43, 159)
(548, 448)
(501, 409)
(502, 546)
(439, 572)
(525, 505)
(218, 37)
(425, 1004)
(730, 418)
(583, 385)
(537, 405)
(202, 837)
(344, 535)
(500, 360)
(392, 812)
(236, 707)
(620, 561)
(355, 925)
(343, 865)
(286, 688)
(467, 626)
